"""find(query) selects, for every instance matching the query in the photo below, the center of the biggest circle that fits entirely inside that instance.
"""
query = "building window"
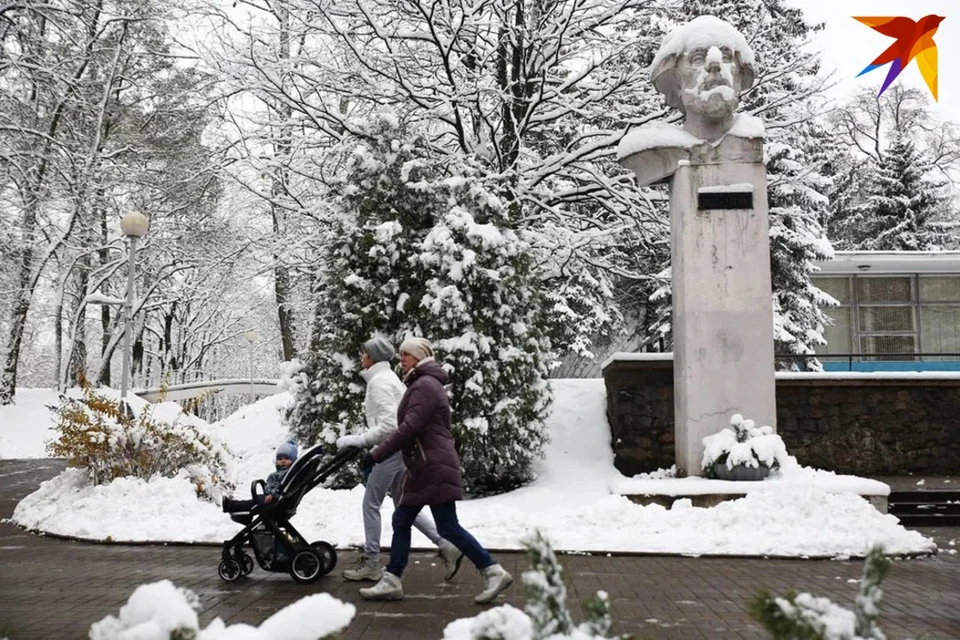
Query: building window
(892, 317)
(940, 316)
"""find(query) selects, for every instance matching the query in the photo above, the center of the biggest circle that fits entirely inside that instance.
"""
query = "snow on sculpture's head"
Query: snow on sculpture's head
(701, 68)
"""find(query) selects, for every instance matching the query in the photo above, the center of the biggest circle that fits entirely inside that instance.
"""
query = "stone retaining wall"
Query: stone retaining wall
(863, 425)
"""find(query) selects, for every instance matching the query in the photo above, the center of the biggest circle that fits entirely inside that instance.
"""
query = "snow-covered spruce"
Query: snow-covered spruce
(546, 616)
(902, 205)
(744, 443)
(423, 247)
(802, 615)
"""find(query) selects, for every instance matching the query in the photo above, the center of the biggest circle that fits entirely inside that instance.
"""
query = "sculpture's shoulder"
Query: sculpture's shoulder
(653, 151)
(747, 126)
(654, 136)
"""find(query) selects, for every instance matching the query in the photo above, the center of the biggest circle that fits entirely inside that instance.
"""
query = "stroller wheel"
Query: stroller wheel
(246, 564)
(229, 570)
(328, 553)
(307, 565)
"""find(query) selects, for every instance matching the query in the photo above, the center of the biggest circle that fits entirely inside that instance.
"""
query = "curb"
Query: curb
(591, 552)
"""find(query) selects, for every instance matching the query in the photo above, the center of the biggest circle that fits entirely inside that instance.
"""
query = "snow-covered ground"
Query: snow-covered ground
(805, 513)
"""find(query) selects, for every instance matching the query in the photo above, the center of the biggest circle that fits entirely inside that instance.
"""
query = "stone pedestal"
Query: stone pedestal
(722, 306)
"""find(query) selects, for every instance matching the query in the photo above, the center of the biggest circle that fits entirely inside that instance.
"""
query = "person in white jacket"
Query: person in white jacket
(384, 391)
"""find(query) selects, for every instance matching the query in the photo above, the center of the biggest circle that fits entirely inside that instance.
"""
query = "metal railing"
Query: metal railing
(888, 361)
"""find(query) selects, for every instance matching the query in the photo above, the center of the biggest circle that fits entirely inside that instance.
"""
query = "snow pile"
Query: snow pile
(160, 611)
(25, 427)
(574, 501)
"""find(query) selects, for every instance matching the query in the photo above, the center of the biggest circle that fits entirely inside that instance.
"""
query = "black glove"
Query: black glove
(366, 462)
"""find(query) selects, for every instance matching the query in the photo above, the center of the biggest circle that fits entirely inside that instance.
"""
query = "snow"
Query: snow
(661, 135)
(747, 126)
(574, 499)
(740, 187)
(99, 298)
(160, 610)
(26, 427)
(655, 135)
(703, 32)
(791, 477)
(506, 622)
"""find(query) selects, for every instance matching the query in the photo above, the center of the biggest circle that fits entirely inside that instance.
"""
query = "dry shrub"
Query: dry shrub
(95, 434)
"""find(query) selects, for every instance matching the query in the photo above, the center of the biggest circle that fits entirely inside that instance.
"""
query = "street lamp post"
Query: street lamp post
(251, 337)
(134, 226)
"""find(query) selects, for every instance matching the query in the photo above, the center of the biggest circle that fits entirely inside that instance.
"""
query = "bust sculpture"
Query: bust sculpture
(701, 68)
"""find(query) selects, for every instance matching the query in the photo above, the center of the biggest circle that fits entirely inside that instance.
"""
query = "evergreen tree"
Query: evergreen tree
(420, 246)
(901, 210)
(849, 177)
(806, 617)
(889, 193)
(797, 202)
(547, 598)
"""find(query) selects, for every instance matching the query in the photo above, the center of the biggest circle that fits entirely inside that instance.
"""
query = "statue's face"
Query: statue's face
(710, 81)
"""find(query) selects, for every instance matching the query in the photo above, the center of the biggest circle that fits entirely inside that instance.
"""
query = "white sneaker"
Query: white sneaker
(389, 588)
(495, 580)
(368, 568)
(451, 557)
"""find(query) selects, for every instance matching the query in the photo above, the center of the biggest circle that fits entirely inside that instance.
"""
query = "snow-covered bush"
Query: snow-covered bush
(546, 616)
(420, 246)
(743, 443)
(807, 617)
(95, 434)
(163, 611)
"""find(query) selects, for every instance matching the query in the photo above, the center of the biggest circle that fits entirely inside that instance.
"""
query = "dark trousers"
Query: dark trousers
(445, 515)
(232, 505)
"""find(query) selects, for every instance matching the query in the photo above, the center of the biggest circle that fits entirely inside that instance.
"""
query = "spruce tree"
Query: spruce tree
(802, 616)
(903, 204)
(797, 202)
(421, 246)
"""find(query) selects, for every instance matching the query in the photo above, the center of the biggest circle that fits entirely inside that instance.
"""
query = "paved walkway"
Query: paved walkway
(55, 589)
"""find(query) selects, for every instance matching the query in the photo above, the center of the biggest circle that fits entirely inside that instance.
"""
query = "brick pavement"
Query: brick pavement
(53, 588)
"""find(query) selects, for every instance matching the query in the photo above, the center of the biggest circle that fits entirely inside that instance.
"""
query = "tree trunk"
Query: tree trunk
(18, 316)
(281, 283)
(78, 357)
(279, 189)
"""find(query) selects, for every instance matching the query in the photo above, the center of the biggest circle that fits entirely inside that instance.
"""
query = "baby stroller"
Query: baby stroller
(276, 544)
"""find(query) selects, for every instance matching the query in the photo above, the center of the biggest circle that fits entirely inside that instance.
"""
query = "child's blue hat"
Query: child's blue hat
(287, 450)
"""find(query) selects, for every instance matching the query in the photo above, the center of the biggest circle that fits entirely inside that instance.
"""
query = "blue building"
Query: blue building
(899, 311)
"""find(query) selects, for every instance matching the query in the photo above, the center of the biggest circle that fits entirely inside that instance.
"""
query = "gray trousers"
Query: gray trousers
(388, 475)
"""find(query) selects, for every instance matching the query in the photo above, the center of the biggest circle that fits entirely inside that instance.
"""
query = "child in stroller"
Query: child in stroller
(286, 455)
(276, 544)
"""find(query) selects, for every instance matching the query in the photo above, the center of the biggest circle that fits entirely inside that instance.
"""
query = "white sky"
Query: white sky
(849, 46)
(575, 500)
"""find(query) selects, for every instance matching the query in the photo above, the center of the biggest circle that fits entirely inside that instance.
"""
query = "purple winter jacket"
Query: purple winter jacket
(423, 434)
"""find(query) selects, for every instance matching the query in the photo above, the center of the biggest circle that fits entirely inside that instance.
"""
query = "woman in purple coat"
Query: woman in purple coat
(433, 474)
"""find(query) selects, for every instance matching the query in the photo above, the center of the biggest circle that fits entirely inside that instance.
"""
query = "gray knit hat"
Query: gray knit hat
(379, 349)
(419, 348)
(287, 450)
